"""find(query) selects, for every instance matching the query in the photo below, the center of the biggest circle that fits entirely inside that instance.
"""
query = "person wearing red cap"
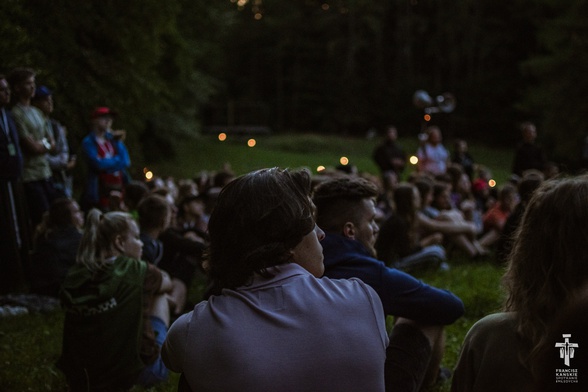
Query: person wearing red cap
(107, 158)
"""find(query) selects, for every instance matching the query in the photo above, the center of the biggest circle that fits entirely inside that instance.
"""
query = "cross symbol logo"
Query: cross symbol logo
(566, 349)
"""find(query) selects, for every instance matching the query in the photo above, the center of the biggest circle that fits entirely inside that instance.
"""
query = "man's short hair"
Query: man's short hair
(257, 221)
(153, 210)
(337, 201)
(19, 75)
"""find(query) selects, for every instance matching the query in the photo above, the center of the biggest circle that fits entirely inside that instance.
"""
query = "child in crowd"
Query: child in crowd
(156, 213)
(55, 244)
(116, 311)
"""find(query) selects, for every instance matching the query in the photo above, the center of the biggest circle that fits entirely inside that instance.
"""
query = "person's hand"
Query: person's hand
(177, 296)
(119, 134)
(194, 237)
(71, 163)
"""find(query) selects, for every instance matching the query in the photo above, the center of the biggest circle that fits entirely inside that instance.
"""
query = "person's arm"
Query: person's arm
(90, 150)
(174, 346)
(446, 227)
(60, 158)
(405, 296)
(33, 146)
(122, 152)
(166, 283)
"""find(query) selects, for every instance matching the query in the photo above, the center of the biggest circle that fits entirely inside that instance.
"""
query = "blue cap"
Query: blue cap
(42, 92)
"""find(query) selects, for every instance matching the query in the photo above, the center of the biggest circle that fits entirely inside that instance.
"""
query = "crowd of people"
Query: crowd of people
(302, 271)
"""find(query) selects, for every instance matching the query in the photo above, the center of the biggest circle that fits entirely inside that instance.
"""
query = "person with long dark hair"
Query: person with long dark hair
(546, 268)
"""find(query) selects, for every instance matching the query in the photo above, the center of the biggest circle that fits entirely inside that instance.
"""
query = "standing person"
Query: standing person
(546, 268)
(271, 324)
(346, 211)
(462, 157)
(389, 156)
(107, 158)
(528, 155)
(60, 160)
(12, 223)
(36, 141)
(433, 156)
(116, 311)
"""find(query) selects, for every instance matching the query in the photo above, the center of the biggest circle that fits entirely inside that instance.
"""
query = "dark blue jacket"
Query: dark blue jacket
(402, 295)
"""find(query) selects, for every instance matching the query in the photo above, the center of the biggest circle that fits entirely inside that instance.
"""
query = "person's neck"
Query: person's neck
(110, 254)
(152, 233)
(99, 132)
(24, 101)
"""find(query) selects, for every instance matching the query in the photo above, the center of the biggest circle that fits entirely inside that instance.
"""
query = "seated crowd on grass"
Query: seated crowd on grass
(122, 265)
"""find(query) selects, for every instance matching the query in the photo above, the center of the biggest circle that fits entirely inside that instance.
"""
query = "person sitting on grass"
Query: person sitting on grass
(529, 183)
(495, 218)
(456, 230)
(116, 311)
(400, 244)
(155, 216)
(271, 324)
(439, 216)
(548, 264)
(346, 211)
(55, 246)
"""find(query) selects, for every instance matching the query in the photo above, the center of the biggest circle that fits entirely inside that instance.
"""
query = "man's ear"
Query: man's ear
(349, 230)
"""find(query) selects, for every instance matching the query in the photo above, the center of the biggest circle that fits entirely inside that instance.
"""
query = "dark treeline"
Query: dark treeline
(333, 66)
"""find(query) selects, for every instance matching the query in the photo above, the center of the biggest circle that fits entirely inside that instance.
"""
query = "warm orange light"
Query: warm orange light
(492, 183)
(414, 160)
(320, 168)
(148, 175)
(427, 117)
(344, 161)
(258, 16)
(325, 7)
(222, 136)
(251, 142)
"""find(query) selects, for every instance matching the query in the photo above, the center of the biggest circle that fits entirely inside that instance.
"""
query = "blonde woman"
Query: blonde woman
(116, 311)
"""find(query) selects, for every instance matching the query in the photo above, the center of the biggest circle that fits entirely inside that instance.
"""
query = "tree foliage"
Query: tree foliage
(331, 66)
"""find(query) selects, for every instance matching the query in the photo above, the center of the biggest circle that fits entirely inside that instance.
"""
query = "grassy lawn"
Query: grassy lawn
(30, 344)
